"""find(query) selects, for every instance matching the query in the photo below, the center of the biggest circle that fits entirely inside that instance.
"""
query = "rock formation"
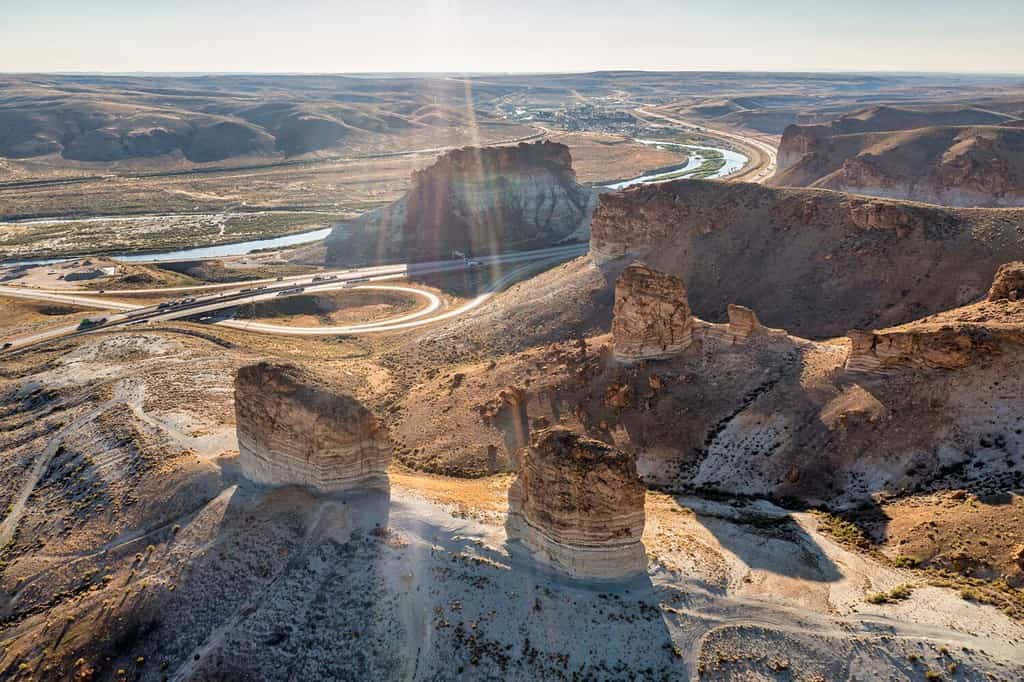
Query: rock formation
(472, 200)
(808, 261)
(1008, 283)
(651, 318)
(947, 347)
(295, 429)
(743, 325)
(578, 505)
(975, 161)
(950, 340)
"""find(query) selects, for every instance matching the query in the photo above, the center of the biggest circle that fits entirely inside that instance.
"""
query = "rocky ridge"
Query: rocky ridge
(810, 261)
(967, 157)
(472, 200)
(294, 429)
(578, 505)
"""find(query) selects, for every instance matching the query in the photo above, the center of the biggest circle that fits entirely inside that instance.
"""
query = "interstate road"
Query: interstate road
(262, 290)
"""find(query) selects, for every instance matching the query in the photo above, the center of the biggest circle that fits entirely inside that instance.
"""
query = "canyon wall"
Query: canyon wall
(810, 261)
(472, 200)
(294, 429)
(578, 506)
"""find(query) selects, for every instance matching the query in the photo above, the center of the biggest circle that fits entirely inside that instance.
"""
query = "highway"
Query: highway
(233, 295)
(770, 152)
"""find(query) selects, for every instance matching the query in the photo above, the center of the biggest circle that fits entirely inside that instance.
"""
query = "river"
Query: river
(734, 161)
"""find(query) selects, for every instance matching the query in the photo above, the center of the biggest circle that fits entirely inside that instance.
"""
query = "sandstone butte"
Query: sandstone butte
(473, 200)
(578, 506)
(651, 318)
(294, 429)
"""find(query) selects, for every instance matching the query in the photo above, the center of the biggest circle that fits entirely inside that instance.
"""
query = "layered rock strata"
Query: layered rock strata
(808, 261)
(1008, 283)
(742, 326)
(953, 165)
(651, 317)
(473, 200)
(294, 429)
(947, 347)
(578, 506)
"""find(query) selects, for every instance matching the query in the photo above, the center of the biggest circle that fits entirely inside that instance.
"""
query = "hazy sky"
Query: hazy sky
(510, 35)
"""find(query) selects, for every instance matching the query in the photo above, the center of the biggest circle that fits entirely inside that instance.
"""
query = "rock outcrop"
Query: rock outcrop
(294, 429)
(947, 347)
(742, 326)
(808, 261)
(473, 200)
(578, 505)
(651, 318)
(1008, 283)
(951, 340)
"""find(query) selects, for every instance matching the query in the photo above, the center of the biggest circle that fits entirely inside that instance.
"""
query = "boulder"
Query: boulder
(294, 429)
(578, 506)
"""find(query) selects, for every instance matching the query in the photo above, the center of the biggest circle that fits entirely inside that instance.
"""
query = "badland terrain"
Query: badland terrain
(495, 419)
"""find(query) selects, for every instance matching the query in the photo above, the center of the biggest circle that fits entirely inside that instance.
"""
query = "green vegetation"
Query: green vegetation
(90, 322)
(898, 593)
(842, 530)
(141, 234)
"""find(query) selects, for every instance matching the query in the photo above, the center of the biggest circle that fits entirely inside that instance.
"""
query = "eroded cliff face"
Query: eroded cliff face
(578, 506)
(651, 318)
(809, 261)
(472, 200)
(952, 339)
(296, 430)
(953, 166)
(946, 347)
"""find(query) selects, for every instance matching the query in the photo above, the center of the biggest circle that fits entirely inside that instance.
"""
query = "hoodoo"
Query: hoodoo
(652, 317)
(578, 505)
(294, 429)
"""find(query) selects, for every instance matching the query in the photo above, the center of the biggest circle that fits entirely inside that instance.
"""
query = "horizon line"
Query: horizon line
(171, 72)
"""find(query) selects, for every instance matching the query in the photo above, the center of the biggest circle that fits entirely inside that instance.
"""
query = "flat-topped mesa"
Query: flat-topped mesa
(806, 260)
(1008, 283)
(651, 318)
(473, 200)
(578, 506)
(294, 429)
